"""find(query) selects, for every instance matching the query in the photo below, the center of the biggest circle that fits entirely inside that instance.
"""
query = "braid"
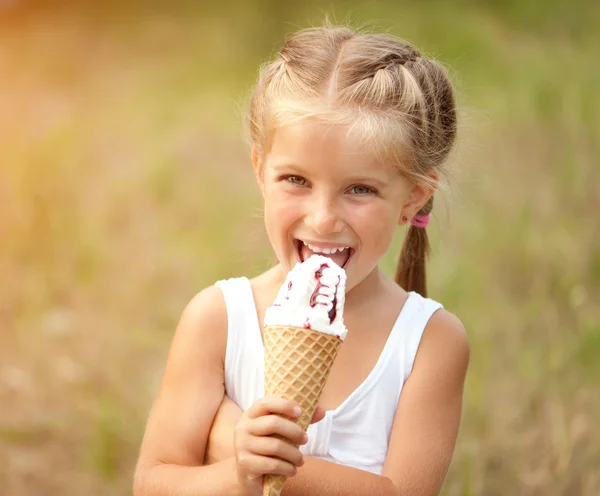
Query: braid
(411, 272)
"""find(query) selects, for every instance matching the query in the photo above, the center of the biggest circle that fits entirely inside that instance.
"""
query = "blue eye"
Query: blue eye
(361, 189)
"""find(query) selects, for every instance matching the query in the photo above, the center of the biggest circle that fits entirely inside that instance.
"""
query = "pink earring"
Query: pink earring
(404, 218)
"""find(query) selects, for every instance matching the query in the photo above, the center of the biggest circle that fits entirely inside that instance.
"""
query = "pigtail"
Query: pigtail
(411, 271)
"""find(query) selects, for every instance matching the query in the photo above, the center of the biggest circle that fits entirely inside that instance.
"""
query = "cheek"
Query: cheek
(279, 208)
(375, 226)
(373, 219)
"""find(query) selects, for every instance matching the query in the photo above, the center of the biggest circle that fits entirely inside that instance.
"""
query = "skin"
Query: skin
(317, 184)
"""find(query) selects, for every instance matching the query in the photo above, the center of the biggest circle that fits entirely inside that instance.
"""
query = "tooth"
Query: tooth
(326, 251)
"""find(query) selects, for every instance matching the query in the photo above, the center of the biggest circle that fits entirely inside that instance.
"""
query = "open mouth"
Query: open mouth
(340, 257)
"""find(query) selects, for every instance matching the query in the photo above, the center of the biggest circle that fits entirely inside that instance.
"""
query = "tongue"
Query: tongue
(339, 257)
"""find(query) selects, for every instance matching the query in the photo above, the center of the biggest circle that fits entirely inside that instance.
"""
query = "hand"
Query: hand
(264, 442)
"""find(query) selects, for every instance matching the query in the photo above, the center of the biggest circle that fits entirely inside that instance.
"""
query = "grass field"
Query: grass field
(126, 187)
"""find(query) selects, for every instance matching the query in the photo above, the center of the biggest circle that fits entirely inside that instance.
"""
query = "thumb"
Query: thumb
(318, 415)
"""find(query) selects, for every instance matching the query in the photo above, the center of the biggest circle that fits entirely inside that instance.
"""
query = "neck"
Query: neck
(369, 289)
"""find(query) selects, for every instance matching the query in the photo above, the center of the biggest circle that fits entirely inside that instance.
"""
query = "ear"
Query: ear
(255, 160)
(420, 194)
(257, 165)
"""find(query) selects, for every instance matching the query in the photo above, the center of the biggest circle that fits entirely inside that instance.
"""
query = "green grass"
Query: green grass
(122, 152)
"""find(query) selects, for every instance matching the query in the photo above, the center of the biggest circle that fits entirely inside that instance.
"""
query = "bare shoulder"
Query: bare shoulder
(444, 346)
(203, 321)
(208, 306)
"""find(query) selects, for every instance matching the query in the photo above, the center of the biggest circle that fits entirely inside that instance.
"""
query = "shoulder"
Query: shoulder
(203, 323)
(444, 346)
(207, 306)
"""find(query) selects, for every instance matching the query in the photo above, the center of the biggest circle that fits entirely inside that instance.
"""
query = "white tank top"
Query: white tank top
(356, 433)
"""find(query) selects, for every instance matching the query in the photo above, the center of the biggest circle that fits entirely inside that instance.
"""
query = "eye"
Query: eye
(361, 189)
(297, 180)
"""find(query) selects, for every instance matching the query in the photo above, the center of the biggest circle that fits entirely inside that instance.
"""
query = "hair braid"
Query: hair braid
(411, 271)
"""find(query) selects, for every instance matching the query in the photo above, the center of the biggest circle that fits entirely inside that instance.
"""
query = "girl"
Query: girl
(348, 132)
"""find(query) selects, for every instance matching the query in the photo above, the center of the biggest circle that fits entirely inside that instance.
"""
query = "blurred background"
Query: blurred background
(126, 187)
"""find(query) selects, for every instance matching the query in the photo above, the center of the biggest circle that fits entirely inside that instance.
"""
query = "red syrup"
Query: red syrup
(287, 296)
(313, 298)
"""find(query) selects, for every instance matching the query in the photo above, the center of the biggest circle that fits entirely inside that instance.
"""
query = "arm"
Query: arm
(428, 414)
(220, 445)
(191, 392)
(424, 431)
(423, 435)
(314, 477)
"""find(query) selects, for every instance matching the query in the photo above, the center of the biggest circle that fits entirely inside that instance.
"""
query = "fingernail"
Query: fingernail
(297, 411)
(305, 437)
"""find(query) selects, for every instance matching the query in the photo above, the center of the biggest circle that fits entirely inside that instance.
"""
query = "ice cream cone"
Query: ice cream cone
(297, 364)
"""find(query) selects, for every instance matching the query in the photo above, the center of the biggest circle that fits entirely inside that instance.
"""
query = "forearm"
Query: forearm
(321, 477)
(219, 479)
(314, 477)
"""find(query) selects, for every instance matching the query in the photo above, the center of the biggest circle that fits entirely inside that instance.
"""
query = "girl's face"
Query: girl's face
(323, 193)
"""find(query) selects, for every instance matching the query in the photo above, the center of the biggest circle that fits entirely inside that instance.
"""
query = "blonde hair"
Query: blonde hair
(396, 102)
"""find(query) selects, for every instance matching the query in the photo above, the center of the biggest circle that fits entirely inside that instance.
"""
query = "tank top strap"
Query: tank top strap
(239, 300)
(243, 355)
(419, 312)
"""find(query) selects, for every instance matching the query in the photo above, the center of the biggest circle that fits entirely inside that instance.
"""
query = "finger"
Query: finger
(318, 415)
(275, 447)
(255, 465)
(270, 404)
(274, 424)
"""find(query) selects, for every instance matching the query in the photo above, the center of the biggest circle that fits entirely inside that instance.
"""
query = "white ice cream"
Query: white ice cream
(306, 299)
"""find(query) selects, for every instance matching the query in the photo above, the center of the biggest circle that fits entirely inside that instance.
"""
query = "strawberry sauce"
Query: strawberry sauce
(313, 298)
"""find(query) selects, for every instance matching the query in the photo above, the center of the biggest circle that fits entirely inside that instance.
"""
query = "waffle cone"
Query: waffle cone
(297, 364)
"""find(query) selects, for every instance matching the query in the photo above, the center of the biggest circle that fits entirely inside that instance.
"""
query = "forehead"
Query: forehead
(323, 147)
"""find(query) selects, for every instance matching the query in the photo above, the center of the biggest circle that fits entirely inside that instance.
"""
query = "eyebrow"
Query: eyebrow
(290, 167)
(284, 166)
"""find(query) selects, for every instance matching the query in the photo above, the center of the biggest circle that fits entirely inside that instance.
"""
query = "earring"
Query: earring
(404, 218)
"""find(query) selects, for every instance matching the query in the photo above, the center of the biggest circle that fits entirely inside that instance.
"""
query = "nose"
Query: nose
(323, 217)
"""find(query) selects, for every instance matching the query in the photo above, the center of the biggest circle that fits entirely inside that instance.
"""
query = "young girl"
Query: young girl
(348, 133)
